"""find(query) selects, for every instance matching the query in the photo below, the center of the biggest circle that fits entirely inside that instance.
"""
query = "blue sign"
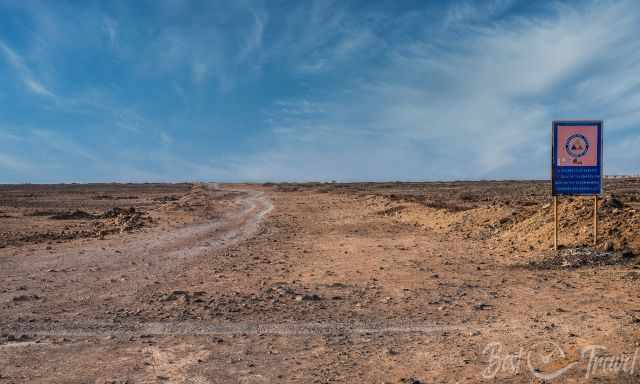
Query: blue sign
(576, 158)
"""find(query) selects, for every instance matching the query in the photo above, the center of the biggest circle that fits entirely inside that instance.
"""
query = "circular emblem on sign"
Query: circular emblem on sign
(576, 145)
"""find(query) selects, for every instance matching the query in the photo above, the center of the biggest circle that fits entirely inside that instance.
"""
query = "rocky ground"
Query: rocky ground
(384, 283)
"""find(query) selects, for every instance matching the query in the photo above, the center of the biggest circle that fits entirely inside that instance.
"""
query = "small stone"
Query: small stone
(608, 246)
(482, 306)
(411, 380)
(390, 351)
(612, 202)
(308, 297)
(21, 298)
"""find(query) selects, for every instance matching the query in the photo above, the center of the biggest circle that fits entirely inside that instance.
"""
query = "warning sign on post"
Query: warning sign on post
(576, 158)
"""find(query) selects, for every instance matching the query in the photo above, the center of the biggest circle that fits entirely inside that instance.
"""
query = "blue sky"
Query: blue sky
(170, 90)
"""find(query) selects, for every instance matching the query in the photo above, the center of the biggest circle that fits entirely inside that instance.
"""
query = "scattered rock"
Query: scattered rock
(612, 202)
(308, 297)
(411, 380)
(312, 297)
(166, 199)
(280, 289)
(482, 306)
(183, 296)
(115, 212)
(127, 220)
(608, 246)
(37, 213)
(24, 298)
(581, 257)
(635, 317)
(75, 215)
(13, 338)
(390, 352)
(393, 211)
(626, 253)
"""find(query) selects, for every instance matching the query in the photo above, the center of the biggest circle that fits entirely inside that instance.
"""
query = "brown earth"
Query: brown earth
(374, 282)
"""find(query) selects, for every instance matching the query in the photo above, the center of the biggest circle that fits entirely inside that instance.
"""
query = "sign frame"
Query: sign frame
(599, 124)
(599, 167)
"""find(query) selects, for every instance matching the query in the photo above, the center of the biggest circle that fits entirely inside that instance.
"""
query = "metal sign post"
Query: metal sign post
(555, 223)
(595, 220)
(576, 165)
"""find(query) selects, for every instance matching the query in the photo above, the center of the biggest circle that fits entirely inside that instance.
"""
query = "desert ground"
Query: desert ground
(437, 282)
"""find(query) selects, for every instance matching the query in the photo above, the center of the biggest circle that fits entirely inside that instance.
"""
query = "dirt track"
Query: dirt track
(269, 284)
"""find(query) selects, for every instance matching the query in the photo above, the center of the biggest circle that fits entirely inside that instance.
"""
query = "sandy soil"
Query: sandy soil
(384, 283)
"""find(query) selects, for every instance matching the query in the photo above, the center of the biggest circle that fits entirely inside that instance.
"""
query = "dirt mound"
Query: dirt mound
(38, 213)
(110, 197)
(48, 236)
(195, 199)
(617, 225)
(436, 203)
(523, 224)
(54, 214)
(124, 220)
(116, 219)
(74, 215)
(393, 211)
(166, 199)
(115, 212)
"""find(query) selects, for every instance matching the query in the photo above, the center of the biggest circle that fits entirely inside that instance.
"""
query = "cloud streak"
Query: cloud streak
(17, 62)
(314, 90)
(476, 107)
(14, 164)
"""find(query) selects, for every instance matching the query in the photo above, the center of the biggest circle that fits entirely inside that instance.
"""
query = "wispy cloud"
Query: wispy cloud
(17, 62)
(63, 144)
(111, 30)
(165, 138)
(463, 13)
(254, 38)
(313, 90)
(319, 37)
(478, 106)
(38, 88)
(14, 164)
(200, 70)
